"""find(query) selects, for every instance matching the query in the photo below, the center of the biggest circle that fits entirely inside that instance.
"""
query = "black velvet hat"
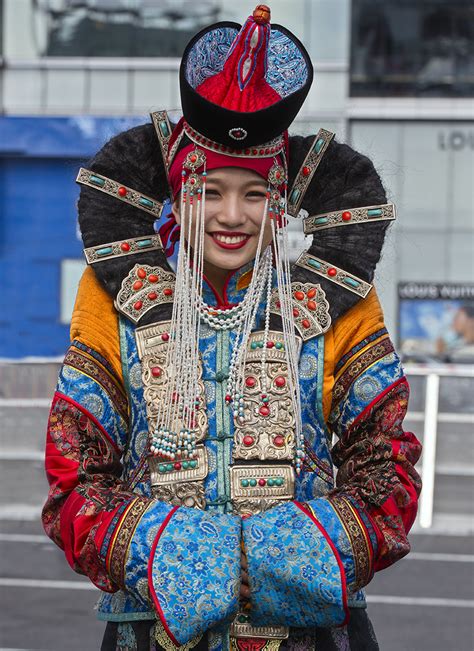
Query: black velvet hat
(243, 86)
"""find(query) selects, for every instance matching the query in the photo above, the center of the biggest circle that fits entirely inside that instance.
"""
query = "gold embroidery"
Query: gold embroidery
(358, 366)
(162, 638)
(358, 538)
(123, 535)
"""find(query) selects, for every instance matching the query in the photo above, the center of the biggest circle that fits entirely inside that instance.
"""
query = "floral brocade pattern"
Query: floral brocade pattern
(294, 575)
(196, 571)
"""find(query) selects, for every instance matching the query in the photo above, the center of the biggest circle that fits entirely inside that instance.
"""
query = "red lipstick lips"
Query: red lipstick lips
(230, 240)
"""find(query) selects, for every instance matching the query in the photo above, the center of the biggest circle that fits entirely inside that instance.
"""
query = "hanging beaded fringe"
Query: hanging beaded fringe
(175, 436)
(174, 439)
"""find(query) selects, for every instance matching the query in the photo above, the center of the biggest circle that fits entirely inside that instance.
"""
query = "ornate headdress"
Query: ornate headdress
(240, 89)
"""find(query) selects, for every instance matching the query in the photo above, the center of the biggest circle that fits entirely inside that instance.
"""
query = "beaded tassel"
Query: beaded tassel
(282, 264)
(174, 437)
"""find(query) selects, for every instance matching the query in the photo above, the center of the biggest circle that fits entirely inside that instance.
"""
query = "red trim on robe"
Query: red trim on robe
(337, 557)
(150, 577)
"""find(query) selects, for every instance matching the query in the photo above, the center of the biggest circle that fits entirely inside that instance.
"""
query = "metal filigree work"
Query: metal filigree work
(163, 132)
(267, 150)
(348, 217)
(144, 288)
(266, 436)
(178, 486)
(308, 168)
(122, 247)
(256, 488)
(119, 191)
(334, 274)
(244, 629)
(310, 309)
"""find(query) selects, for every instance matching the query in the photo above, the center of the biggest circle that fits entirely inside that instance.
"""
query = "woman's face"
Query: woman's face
(235, 202)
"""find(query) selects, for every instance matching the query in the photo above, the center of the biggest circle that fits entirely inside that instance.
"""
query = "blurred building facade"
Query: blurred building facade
(393, 78)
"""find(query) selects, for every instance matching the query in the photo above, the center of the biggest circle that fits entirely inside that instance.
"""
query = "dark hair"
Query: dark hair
(345, 179)
(132, 158)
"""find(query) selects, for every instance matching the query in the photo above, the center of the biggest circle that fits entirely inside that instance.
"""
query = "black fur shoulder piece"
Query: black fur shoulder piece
(133, 159)
(345, 179)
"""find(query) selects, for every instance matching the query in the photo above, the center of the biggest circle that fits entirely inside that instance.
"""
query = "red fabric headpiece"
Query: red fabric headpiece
(215, 160)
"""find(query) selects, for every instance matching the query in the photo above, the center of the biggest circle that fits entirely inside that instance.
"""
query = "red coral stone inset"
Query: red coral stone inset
(156, 371)
(165, 336)
(250, 381)
(306, 323)
(152, 296)
(279, 441)
(311, 305)
(248, 440)
(346, 216)
(262, 482)
(141, 273)
(306, 171)
(168, 291)
(153, 278)
(138, 305)
(125, 246)
(311, 293)
(280, 381)
(137, 285)
(122, 192)
(264, 410)
(299, 296)
(332, 271)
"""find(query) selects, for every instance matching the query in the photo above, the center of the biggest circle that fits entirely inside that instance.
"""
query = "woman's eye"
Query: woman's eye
(256, 193)
(210, 192)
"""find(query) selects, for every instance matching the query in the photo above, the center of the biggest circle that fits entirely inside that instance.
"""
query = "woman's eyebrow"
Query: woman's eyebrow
(253, 182)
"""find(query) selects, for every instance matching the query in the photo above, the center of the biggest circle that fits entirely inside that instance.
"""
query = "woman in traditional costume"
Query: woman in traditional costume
(189, 449)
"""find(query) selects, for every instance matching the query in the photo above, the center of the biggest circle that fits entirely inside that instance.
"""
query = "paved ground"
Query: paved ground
(425, 602)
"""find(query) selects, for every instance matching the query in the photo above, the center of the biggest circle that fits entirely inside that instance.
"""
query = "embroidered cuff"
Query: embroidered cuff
(194, 571)
(295, 573)
(353, 536)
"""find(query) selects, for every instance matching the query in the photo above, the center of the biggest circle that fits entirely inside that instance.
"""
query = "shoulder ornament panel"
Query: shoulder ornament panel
(335, 274)
(308, 168)
(163, 132)
(310, 309)
(144, 288)
(121, 248)
(119, 191)
(349, 217)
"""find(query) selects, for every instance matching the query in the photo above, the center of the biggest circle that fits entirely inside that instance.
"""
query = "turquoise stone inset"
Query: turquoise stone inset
(165, 132)
(97, 180)
(146, 202)
(143, 243)
(351, 281)
(295, 195)
(321, 220)
(107, 250)
(374, 212)
(314, 263)
(318, 145)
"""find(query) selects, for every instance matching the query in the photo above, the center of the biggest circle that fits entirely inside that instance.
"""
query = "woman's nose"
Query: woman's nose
(232, 213)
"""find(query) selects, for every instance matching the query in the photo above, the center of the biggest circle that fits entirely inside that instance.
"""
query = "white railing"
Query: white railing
(431, 419)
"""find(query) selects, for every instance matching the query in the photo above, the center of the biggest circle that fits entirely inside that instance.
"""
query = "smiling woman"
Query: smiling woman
(235, 214)
(189, 444)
